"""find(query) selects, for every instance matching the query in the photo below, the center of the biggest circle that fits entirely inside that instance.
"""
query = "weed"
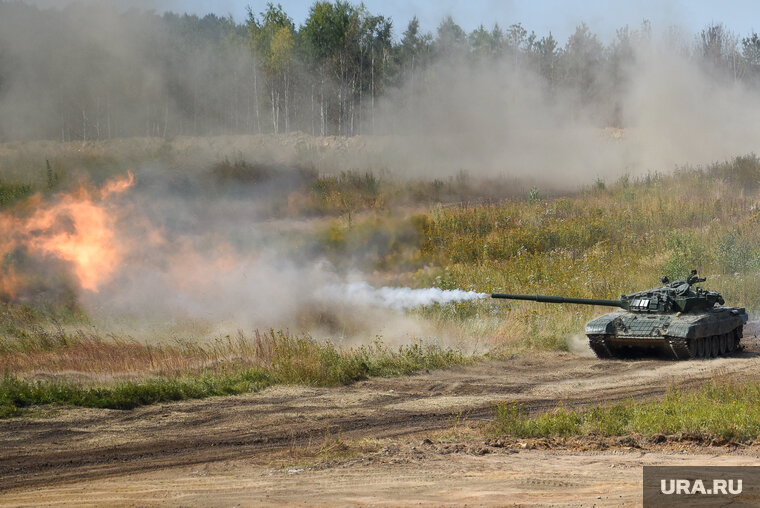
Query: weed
(533, 195)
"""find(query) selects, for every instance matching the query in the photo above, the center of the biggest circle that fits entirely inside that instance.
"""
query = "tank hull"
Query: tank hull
(681, 336)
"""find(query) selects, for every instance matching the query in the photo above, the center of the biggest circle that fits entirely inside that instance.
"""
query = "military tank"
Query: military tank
(673, 320)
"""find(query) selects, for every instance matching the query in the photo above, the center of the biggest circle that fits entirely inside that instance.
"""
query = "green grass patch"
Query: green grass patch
(241, 366)
(16, 393)
(729, 410)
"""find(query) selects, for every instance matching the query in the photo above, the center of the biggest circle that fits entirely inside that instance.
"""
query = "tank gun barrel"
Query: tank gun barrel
(561, 299)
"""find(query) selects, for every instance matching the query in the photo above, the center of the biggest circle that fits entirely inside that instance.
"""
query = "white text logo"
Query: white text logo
(719, 486)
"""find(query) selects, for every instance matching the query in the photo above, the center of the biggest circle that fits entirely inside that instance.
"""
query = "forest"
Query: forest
(90, 72)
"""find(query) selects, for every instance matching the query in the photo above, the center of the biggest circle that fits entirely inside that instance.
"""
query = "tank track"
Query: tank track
(599, 346)
(678, 348)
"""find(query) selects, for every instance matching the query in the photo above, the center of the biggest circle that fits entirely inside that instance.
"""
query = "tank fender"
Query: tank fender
(604, 325)
(707, 326)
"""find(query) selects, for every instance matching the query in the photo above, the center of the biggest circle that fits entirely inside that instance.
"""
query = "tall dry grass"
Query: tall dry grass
(87, 356)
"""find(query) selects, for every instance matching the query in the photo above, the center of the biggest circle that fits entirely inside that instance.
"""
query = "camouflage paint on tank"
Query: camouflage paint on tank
(674, 319)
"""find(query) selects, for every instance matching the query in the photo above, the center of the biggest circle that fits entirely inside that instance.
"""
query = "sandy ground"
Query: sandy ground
(399, 441)
(527, 478)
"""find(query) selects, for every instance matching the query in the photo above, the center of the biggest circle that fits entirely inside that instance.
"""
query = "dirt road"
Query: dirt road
(356, 444)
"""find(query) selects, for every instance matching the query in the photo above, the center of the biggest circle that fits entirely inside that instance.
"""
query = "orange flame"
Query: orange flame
(9, 283)
(117, 186)
(77, 229)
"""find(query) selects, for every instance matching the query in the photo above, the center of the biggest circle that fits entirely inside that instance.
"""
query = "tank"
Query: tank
(674, 320)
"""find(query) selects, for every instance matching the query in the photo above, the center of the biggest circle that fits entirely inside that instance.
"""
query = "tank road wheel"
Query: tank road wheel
(724, 344)
(714, 346)
(730, 342)
(700, 342)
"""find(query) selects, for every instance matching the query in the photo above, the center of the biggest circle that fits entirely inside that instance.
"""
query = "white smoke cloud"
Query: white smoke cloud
(397, 298)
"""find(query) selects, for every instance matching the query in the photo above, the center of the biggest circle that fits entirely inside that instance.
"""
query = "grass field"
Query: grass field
(463, 232)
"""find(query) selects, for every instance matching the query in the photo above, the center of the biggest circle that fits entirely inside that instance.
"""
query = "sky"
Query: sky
(542, 16)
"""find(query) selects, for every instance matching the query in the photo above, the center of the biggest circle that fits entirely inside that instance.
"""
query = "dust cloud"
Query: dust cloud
(578, 344)
(506, 120)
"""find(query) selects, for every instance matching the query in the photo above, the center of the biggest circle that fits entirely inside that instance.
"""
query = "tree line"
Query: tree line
(88, 72)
